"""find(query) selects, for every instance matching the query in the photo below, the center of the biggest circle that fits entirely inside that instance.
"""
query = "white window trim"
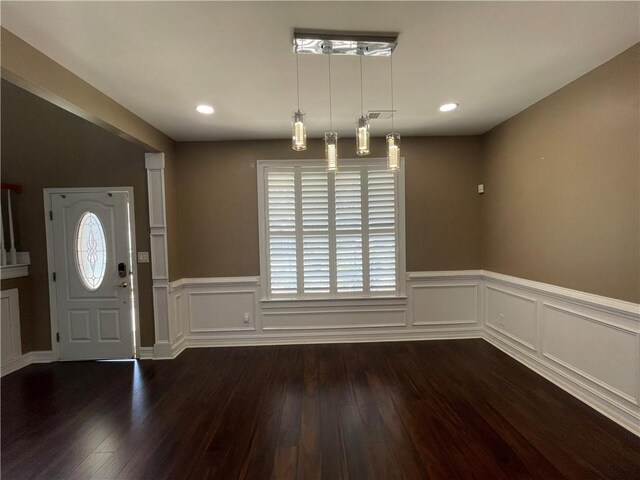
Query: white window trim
(262, 165)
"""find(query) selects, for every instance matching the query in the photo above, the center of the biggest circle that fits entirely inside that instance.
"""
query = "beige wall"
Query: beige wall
(45, 146)
(562, 178)
(218, 205)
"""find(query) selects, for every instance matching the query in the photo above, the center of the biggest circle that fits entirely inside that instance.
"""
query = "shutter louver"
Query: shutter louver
(349, 263)
(316, 264)
(315, 231)
(382, 223)
(349, 274)
(282, 227)
(382, 262)
(348, 201)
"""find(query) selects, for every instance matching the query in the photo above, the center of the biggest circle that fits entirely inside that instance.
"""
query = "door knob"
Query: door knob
(123, 285)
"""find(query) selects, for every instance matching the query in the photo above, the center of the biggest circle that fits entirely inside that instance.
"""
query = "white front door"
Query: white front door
(92, 256)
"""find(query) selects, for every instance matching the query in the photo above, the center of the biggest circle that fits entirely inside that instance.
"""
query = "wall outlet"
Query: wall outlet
(143, 257)
(246, 318)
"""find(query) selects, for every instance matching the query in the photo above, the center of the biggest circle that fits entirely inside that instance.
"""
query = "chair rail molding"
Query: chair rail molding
(165, 335)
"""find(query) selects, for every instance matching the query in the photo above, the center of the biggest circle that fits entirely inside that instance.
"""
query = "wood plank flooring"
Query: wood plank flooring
(415, 410)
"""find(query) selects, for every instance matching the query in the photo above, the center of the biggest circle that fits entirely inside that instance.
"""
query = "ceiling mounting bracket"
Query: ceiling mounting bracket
(344, 43)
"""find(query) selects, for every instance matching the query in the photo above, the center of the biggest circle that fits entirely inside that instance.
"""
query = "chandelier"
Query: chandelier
(353, 45)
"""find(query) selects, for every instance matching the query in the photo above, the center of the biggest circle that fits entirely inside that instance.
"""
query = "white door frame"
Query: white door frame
(53, 303)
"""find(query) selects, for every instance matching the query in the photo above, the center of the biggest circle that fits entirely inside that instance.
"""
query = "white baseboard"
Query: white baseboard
(44, 356)
(145, 353)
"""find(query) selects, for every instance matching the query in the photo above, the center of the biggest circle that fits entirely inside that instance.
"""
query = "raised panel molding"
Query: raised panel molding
(10, 330)
(611, 346)
(511, 314)
(163, 317)
(586, 344)
(313, 321)
(221, 311)
(444, 303)
(159, 270)
(339, 318)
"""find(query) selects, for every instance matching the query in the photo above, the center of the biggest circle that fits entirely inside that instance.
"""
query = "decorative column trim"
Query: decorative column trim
(154, 163)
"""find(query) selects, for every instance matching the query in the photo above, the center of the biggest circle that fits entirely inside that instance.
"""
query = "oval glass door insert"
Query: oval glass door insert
(91, 251)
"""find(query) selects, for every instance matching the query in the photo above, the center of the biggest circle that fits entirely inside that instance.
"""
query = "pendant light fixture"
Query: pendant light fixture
(331, 137)
(393, 139)
(299, 129)
(362, 129)
(349, 44)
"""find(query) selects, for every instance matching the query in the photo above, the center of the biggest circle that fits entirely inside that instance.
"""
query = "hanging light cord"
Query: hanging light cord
(298, 80)
(361, 94)
(330, 112)
(392, 110)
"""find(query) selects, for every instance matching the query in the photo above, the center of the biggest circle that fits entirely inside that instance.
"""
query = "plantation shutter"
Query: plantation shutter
(382, 228)
(282, 232)
(315, 231)
(331, 235)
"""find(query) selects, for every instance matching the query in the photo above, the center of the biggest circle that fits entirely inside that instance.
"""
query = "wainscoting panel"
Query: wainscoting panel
(586, 344)
(221, 311)
(444, 303)
(511, 314)
(229, 311)
(337, 318)
(566, 332)
(10, 329)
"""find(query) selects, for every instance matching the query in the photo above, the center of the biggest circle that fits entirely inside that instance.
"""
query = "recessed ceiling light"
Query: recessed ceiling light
(447, 107)
(205, 109)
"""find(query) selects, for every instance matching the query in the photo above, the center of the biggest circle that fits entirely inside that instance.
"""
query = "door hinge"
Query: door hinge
(50, 214)
(54, 276)
(58, 337)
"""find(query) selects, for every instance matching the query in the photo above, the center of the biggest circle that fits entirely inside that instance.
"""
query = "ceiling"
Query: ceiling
(161, 59)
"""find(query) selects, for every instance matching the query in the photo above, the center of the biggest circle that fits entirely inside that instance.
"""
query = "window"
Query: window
(91, 251)
(326, 235)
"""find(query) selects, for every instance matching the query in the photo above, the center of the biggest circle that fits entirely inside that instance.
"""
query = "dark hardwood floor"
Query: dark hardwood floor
(438, 409)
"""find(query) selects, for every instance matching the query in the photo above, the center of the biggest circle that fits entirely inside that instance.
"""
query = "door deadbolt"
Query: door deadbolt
(122, 270)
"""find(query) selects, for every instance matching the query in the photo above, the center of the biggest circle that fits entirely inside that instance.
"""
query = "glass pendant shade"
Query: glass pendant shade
(299, 132)
(362, 136)
(393, 152)
(331, 150)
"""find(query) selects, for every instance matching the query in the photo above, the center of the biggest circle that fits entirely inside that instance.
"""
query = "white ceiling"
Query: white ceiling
(160, 59)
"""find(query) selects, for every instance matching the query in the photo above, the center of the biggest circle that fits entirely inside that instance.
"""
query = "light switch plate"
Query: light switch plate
(143, 257)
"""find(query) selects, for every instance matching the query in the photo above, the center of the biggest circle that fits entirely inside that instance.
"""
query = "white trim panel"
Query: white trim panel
(10, 329)
(217, 309)
(444, 303)
(166, 331)
(587, 344)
